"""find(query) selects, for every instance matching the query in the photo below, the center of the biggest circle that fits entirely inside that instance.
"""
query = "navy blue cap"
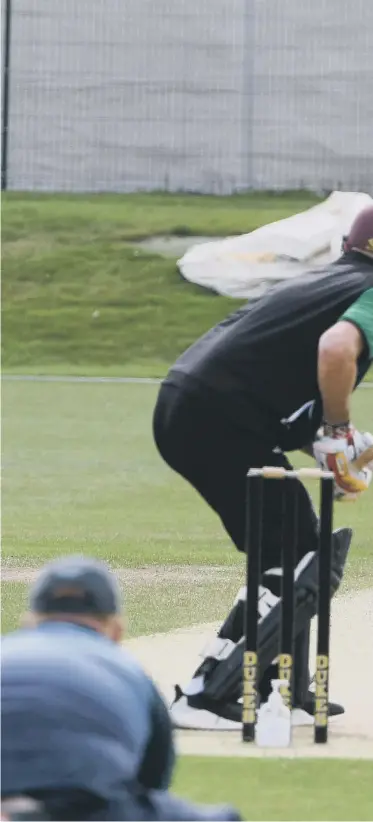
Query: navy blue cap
(75, 585)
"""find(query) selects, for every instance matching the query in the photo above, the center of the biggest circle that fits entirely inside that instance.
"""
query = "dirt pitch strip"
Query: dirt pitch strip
(171, 658)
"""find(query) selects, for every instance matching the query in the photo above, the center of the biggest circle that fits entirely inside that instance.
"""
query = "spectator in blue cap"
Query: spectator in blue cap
(84, 730)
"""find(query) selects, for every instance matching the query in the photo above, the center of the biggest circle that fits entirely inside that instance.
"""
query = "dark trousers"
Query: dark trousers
(205, 447)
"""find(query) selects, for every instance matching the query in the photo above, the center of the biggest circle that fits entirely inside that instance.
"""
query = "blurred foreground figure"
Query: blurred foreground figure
(84, 730)
(274, 377)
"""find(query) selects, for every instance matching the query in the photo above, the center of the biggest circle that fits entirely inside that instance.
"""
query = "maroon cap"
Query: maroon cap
(360, 237)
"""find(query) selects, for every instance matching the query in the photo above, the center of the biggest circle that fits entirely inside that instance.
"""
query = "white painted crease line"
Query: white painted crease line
(71, 379)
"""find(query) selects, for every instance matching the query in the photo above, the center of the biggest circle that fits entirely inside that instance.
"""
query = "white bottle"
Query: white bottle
(273, 727)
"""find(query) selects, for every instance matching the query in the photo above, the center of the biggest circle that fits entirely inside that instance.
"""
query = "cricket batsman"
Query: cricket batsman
(274, 377)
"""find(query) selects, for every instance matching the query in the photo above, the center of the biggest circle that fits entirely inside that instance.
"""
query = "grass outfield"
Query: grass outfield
(281, 789)
(80, 298)
(65, 258)
(82, 475)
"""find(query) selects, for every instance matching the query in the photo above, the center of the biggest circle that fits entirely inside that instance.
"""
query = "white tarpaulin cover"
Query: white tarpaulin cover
(246, 266)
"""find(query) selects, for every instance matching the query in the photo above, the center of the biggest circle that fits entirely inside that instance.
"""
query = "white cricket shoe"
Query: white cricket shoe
(184, 715)
(198, 713)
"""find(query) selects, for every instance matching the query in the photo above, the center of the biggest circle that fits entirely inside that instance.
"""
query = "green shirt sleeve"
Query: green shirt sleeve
(361, 314)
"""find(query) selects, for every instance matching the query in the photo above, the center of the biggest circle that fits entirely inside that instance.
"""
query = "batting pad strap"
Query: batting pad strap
(241, 596)
(219, 648)
(266, 601)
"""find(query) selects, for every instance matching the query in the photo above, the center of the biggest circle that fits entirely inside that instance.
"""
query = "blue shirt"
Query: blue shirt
(78, 711)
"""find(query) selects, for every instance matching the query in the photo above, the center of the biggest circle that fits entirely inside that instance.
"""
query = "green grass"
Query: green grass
(280, 789)
(136, 216)
(82, 475)
(65, 258)
(79, 298)
(150, 608)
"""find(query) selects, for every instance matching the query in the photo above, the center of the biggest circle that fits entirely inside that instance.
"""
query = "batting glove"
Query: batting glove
(349, 455)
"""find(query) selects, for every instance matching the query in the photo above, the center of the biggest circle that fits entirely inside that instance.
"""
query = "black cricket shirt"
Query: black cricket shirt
(260, 364)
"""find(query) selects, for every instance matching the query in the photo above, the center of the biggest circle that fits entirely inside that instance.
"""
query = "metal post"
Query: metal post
(5, 94)
(247, 181)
